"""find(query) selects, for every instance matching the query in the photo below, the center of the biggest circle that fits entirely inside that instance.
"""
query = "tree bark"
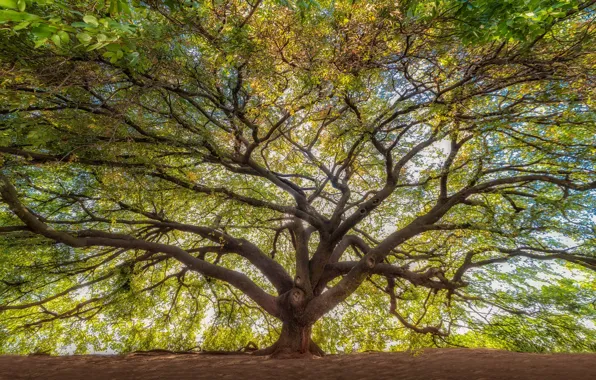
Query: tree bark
(294, 341)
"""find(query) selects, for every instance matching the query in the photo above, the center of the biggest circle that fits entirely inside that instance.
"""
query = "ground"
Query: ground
(435, 364)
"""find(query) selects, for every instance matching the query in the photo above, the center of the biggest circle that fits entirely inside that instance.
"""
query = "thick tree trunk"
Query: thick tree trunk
(294, 341)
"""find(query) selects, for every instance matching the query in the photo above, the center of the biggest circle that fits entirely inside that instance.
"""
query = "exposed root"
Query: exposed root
(265, 351)
(315, 349)
(246, 350)
(276, 352)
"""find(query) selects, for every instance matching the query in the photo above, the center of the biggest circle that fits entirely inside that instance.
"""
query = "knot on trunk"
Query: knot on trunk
(292, 304)
(297, 298)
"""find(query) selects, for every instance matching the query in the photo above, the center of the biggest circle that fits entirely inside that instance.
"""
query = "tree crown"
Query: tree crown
(418, 165)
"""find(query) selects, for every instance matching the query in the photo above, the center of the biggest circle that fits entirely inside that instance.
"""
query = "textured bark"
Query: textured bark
(294, 341)
(295, 337)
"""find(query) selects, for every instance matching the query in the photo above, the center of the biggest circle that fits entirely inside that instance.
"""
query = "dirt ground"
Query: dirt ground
(435, 364)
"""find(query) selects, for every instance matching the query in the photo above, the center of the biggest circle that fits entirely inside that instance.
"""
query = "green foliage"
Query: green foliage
(488, 20)
(126, 120)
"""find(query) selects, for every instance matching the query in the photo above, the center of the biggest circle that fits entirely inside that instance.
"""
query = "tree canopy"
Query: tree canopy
(376, 175)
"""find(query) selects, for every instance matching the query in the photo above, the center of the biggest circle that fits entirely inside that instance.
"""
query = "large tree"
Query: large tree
(172, 162)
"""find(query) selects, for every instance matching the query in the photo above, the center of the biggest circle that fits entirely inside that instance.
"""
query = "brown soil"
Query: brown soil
(435, 364)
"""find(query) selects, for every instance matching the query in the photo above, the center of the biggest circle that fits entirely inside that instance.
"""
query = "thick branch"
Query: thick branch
(92, 238)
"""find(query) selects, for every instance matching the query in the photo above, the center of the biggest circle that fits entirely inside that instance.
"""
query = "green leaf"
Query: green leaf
(171, 4)
(22, 5)
(114, 7)
(95, 46)
(56, 40)
(41, 42)
(21, 26)
(91, 20)
(8, 15)
(64, 36)
(79, 24)
(43, 31)
(124, 8)
(113, 47)
(12, 4)
(134, 57)
(85, 38)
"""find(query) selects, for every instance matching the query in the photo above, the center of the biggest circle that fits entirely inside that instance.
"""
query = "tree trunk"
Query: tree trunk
(294, 341)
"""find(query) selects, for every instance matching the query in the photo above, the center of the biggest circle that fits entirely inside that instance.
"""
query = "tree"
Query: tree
(282, 159)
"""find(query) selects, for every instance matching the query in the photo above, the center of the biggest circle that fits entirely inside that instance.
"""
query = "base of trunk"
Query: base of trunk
(294, 342)
(277, 351)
